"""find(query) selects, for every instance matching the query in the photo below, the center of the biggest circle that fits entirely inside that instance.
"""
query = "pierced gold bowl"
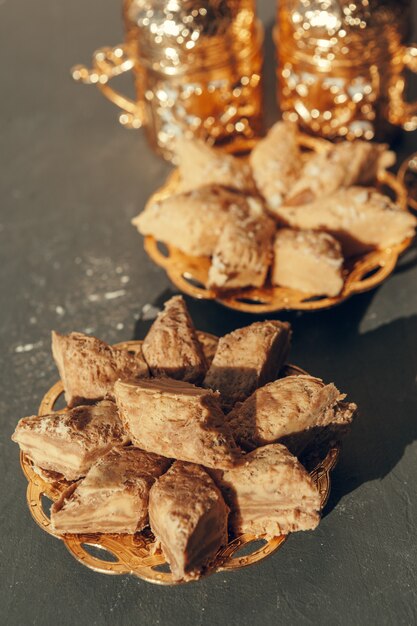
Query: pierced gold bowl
(362, 273)
(137, 554)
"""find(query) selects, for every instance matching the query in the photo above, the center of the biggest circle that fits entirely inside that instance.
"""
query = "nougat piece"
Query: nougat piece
(89, 367)
(248, 358)
(200, 164)
(191, 221)
(361, 219)
(308, 261)
(188, 516)
(343, 165)
(178, 420)
(244, 250)
(113, 497)
(298, 411)
(270, 493)
(171, 346)
(276, 162)
(69, 442)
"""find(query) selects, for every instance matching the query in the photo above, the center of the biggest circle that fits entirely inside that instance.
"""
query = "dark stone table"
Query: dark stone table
(71, 180)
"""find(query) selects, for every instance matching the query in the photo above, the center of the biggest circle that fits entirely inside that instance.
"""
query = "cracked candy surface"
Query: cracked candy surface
(244, 249)
(191, 221)
(178, 420)
(200, 165)
(89, 367)
(295, 410)
(171, 346)
(270, 493)
(343, 165)
(361, 219)
(189, 517)
(69, 442)
(114, 495)
(276, 162)
(248, 358)
(307, 261)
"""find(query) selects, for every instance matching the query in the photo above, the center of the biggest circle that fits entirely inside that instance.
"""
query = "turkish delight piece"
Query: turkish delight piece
(308, 261)
(276, 162)
(89, 367)
(270, 493)
(188, 516)
(178, 420)
(69, 442)
(248, 358)
(171, 346)
(343, 165)
(191, 221)
(200, 164)
(360, 219)
(243, 252)
(113, 497)
(298, 411)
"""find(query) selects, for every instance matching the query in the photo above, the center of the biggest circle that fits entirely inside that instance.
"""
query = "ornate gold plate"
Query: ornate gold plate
(189, 274)
(137, 554)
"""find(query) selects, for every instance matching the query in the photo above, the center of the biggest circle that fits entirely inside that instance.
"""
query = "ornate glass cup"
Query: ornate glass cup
(196, 67)
(341, 66)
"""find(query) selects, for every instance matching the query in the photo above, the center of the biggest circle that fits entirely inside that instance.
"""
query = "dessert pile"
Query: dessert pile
(283, 217)
(200, 440)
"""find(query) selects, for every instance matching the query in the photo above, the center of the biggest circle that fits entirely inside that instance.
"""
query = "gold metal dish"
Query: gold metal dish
(137, 554)
(363, 273)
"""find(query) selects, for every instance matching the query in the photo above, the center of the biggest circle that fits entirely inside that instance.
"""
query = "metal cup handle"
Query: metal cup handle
(402, 113)
(108, 63)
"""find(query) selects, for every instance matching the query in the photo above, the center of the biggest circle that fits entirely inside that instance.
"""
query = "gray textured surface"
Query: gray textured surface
(70, 181)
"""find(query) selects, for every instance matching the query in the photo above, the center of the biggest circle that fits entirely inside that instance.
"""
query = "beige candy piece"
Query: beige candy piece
(248, 358)
(244, 250)
(113, 497)
(171, 346)
(178, 420)
(69, 442)
(188, 516)
(297, 410)
(307, 261)
(276, 162)
(270, 493)
(89, 367)
(343, 165)
(191, 221)
(361, 219)
(200, 164)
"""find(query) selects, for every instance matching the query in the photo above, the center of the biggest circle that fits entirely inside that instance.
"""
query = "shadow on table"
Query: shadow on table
(207, 315)
(377, 369)
(383, 385)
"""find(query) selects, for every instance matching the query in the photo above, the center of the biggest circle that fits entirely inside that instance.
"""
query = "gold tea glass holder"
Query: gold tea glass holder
(137, 554)
(341, 67)
(196, 68)
(361, 273)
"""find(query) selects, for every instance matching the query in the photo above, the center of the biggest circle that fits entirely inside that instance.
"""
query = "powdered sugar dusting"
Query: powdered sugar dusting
(112, 295)
(27, 347)
(149, 312)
